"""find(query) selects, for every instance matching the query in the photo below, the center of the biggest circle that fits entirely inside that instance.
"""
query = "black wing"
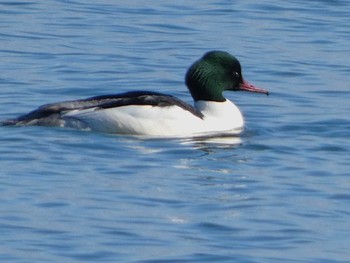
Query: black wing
(105, 102)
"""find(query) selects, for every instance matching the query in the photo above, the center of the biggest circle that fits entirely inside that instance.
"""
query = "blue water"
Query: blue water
(279, 193)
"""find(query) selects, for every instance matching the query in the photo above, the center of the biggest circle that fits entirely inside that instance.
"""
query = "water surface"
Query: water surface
(279, 193)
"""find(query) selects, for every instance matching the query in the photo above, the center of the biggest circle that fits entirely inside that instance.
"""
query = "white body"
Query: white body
(219, 117)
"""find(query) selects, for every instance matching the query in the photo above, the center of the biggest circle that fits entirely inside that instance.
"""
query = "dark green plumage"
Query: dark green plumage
(215, 72)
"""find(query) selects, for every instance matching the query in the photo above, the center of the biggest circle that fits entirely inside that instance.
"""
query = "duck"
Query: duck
(156, 114)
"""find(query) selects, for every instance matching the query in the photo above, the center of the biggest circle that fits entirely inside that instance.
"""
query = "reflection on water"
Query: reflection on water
(203, 142)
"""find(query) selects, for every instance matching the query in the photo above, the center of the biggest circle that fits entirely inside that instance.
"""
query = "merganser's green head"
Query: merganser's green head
(214, 73)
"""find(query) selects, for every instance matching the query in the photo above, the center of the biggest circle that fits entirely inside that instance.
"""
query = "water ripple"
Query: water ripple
(278, 193)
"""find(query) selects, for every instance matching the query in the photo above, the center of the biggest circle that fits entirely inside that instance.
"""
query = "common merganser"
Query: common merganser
(157, 114)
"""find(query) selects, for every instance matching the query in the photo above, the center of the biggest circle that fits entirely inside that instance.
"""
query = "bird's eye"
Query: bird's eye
(236, 74)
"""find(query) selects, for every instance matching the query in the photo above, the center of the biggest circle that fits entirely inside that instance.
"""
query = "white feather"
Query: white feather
(219, 117)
